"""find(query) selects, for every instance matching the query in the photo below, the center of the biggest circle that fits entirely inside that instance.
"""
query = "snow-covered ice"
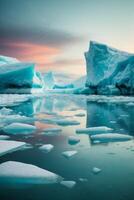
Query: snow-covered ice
(111, 137)
(19, 128)
(73, 140)
(10, 146)
(46, 148)
(94, 130)
(12, 172)
(68, 184)
(68, 154)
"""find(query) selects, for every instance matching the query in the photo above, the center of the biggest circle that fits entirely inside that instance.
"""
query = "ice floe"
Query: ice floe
(93, 130)
(68, 184)
(10, 146)
(111, 137)
(12, 172)
(46, 148)
(69, 154)
(19, 128)
(96, 170)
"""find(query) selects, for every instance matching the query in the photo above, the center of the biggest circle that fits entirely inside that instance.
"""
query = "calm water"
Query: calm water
(116, 159)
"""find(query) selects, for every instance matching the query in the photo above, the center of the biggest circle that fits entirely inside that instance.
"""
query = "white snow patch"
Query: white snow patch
(92, 130)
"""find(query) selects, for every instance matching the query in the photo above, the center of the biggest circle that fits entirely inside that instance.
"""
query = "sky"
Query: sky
(55, 33)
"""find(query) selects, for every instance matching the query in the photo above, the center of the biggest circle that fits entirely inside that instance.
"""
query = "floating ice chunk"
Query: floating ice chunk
(46, 148)
(68, 184)
(68, 154)
(63, 122)
(17, 118)
(4, 137)
(19, 128)
(93, 130)
(83, 179)
(80, 115)
(52, 130)
(96, 170)
(12, 172)
(73, 140)
(10, 146)
(111, 137)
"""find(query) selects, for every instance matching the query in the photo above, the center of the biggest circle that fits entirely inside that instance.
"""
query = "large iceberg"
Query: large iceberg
(109, 71)
(15, 74)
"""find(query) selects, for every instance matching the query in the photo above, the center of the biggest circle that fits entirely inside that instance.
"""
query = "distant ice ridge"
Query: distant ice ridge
(109, 71)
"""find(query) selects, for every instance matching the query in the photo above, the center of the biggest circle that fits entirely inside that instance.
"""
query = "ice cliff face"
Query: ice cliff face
(15, 74)
(109, 71)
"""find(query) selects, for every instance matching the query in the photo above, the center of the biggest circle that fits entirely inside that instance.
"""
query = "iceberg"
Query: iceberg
(12, 172)
(94, 130)
(10, 146)
(109, 71)
(111, 137)
(19, 75)
(19, 128)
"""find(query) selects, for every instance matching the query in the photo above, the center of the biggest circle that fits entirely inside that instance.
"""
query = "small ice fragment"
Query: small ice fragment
(92, 130)
(83, 179)
(80, 115)
(19, 128)
(46, 147)
(96, 141)
(4, 137)
(52, 130)
(96, 170)
(111, 137)
(73, 140)
(63, 122)
(68, 154)
(130, 104)
(12, 172)
(10, 146)
(68, 184)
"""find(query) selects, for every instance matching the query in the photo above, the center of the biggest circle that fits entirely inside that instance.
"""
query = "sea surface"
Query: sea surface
(115, 159)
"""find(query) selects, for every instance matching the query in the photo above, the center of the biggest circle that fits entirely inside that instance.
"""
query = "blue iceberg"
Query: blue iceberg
(109, 71)
(15, 74)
